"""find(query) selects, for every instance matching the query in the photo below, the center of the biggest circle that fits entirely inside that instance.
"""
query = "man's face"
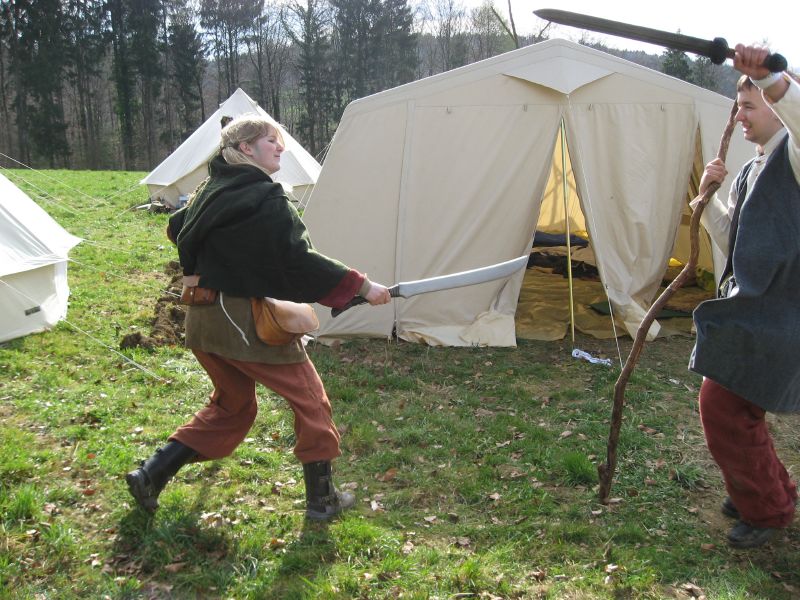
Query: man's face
(758, 121)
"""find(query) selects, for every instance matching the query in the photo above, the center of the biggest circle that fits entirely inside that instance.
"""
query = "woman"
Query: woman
(241, 236)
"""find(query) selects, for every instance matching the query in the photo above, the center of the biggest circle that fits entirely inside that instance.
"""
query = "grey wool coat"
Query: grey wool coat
(749, 342)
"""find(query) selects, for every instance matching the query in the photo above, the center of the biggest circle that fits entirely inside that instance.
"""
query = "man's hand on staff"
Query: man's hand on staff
(714, 172)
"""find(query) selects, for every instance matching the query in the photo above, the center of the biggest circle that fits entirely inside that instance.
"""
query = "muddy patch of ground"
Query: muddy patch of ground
(166, 327)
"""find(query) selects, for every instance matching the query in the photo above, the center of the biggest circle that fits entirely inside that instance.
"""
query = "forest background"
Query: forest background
(119, 84)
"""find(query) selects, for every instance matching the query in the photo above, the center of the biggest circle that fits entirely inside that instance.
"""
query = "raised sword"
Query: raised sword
(717, 49)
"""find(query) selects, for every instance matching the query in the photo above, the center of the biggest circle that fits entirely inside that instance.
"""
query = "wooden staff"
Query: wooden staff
(606, 470)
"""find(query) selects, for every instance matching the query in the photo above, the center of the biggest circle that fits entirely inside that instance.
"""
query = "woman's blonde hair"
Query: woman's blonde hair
(246, 128)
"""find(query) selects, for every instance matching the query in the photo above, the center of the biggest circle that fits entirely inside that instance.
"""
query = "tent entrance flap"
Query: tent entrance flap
(562, 285)
(562, 279)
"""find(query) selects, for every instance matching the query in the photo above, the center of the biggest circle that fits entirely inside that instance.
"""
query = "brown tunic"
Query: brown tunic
(209, 329)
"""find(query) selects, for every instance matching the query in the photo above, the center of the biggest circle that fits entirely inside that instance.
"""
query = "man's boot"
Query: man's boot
(146, 482)
(323, 500)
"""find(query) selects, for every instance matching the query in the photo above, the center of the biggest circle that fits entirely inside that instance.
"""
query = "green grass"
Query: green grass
(475, 469)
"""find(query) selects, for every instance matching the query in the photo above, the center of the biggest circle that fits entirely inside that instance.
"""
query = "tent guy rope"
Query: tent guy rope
(22, 164)
(108, 273)
(105, 200)
(46, 196)
(142, 368)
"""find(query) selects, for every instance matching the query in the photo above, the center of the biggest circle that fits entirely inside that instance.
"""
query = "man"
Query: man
(748, 336)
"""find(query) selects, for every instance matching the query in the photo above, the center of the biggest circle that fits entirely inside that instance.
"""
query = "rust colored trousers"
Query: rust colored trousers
(217, 429)
(738, 438)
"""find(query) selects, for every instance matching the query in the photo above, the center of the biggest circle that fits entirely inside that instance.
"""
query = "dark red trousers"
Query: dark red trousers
(738, 438)
(217, 429)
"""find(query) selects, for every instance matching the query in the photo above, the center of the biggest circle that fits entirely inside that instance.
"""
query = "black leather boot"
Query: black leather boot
(323, 500)
(146, 482)
(744, 535)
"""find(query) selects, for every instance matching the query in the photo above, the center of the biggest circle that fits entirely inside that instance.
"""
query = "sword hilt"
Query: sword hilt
(776, 63)
(335, 312)
(394, 292)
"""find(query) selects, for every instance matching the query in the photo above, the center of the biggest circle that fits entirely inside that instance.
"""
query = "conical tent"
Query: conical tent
(185, 168)
(450, 173)
(33, 265)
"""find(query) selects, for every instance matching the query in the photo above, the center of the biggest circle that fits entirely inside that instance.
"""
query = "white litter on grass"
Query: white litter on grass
(576, 353)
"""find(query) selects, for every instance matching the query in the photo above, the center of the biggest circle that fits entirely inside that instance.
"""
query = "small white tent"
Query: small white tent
(185, 168)
(33, 265)
(449, 173)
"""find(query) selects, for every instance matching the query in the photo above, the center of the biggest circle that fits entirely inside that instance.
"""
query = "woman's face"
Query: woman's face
(265, 151)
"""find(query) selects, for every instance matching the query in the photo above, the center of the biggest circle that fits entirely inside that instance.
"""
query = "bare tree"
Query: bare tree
(488, 33)
(187, 66)
(510, 27)
(13, 18)
(268, 51)
(5, 132)
(227, 22)
(308, 26)
(449, 24)
(84, 27)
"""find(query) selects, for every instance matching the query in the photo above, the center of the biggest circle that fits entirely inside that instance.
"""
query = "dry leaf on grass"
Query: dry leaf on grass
(692, 590)
(175, 567)
(509, 472)
(388, 475)
(538, 574)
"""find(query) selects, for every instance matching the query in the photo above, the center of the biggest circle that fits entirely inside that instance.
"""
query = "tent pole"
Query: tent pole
(564, 189)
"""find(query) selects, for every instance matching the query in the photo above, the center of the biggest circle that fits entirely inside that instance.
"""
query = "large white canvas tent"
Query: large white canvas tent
(33, 265)
(185, 168)
(449, 173)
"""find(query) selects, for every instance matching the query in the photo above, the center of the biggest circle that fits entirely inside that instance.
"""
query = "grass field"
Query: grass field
(475, 468)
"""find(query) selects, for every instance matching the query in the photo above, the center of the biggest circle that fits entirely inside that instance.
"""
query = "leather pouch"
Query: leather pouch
(196, 295)
(280, 322)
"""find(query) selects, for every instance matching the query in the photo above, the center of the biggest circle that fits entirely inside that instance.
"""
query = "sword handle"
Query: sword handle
(394, 292)
(335, 312)
(776, 63)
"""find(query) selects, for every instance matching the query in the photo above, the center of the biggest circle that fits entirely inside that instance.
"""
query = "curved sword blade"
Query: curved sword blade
(406, 289)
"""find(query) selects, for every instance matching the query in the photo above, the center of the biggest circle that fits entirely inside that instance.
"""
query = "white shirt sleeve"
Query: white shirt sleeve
(788, 111)
(717, 217)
